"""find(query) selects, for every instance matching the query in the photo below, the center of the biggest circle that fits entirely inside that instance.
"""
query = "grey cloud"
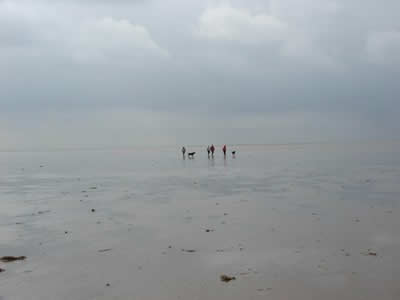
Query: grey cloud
(296, 62)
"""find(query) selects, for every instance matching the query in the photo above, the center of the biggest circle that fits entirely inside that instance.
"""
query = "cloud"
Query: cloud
(233, 24)
(18, 25)
(383, 47)
(240, 25)
(108, 38)
(27, 29)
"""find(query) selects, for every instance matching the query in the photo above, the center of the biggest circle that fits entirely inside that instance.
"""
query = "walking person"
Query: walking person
(224, 150)
(212, 148)
(183, 151)
(208, 151)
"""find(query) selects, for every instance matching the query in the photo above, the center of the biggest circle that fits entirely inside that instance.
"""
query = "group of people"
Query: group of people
(210, 151)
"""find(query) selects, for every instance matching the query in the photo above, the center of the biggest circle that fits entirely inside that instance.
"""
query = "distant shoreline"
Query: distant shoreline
(154, 147)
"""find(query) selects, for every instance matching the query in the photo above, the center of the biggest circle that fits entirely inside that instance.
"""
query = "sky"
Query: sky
(116, 73)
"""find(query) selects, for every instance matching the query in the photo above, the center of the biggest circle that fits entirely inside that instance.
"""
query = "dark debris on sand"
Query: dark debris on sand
(369, 252)
(227, 278)
(188, 250)
(7, 259)
(104, 250)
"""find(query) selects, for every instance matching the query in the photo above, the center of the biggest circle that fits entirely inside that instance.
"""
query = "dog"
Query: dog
(191, 154)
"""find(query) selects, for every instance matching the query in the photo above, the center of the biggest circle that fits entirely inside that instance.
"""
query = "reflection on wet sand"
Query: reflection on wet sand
(283, 222)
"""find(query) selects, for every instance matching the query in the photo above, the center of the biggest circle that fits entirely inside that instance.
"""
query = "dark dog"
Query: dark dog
(233, 152)
(191, 154)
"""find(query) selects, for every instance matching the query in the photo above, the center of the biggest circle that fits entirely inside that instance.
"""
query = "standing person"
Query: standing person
(183, 151)
(208, 151)
(212, 150)
(224, 150)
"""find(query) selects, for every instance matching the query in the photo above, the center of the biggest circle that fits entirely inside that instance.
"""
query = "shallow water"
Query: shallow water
(288, 221)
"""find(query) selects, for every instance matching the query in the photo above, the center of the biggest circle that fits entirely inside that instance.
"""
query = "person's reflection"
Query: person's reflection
(225, 164)
(211, 162)
(183, 164)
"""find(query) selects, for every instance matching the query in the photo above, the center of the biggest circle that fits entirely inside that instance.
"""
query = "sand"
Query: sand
(312, 221)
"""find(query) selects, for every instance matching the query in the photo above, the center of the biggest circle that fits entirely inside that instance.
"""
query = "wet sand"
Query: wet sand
(286, 221)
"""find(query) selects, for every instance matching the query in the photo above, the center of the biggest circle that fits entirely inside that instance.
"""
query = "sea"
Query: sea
(289, 221)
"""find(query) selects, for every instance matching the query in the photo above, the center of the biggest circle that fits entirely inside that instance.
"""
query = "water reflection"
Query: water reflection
(211, 162)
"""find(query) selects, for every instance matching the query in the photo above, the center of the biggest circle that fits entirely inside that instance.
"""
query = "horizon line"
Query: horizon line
(127, 147)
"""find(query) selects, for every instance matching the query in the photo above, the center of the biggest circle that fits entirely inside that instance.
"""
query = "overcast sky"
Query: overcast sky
(94, 73)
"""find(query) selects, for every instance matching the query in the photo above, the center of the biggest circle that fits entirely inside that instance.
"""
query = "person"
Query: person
(224, 150)
(208, 151)
(212, 148)
(183, 151)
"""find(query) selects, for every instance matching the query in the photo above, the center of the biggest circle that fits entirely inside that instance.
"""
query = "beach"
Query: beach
(297, 221)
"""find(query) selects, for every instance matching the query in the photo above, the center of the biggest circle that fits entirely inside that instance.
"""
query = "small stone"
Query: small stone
(107, 284)
(188, 250)
(369, 252)
(7, 259)
(227, 278)
(93, 210)
(104, 250)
